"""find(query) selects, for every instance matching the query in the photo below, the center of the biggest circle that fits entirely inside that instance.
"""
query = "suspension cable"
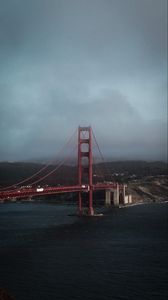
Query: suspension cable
(43, 168)
(101, 155)
(98, 171)
(55, 169)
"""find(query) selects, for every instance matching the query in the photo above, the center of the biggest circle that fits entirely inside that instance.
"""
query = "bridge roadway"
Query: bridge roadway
(32, 192)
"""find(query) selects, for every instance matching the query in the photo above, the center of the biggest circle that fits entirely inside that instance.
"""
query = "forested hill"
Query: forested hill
(13, 172)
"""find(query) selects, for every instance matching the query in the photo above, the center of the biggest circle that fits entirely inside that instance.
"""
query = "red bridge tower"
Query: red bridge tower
(85, 164)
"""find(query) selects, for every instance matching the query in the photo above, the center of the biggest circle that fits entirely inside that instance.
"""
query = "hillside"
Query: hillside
(147, 181)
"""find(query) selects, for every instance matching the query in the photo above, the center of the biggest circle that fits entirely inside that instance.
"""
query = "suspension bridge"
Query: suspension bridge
(84, 180)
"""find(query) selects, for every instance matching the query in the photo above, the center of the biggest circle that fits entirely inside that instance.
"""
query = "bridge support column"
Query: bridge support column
(107, 197)
(91, 211)
(122, 194)
(116, 196)
(124, 186)
(80, 203)
(85, 171)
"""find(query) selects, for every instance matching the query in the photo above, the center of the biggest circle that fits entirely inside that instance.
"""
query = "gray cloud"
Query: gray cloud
(65, 63)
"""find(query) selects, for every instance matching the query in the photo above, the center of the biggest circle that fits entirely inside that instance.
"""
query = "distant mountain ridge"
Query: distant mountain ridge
(13, 172)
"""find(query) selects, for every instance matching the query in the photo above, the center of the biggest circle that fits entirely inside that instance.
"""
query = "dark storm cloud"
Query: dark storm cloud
(65, 63)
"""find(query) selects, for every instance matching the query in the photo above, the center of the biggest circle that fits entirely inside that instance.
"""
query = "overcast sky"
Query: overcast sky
(65, 63)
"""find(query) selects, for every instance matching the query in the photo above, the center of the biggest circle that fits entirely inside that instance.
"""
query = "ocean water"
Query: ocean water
(47, 254)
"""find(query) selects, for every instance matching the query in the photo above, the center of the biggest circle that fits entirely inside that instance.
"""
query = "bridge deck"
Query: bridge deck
(31, 192)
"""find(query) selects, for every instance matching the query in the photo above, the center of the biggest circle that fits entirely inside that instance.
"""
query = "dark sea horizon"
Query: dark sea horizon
(47, 253)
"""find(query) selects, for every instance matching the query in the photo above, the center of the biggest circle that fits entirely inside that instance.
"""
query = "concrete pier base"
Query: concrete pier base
(115, 197)
(107, 197)
(91, 211)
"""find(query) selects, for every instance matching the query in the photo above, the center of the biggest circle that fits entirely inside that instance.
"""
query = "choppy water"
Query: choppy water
(46, 254)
